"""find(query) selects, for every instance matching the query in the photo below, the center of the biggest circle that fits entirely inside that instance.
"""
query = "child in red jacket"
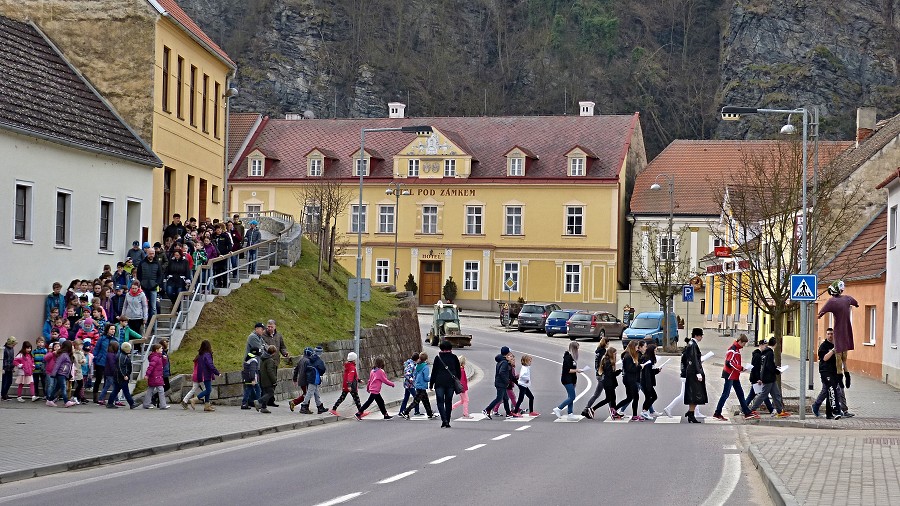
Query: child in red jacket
(376, 378)
(349, 384)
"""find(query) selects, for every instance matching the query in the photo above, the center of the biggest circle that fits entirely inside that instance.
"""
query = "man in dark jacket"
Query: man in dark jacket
(222, 242)
(444, 374)
(150, 274)
(175, 229)
(755, 362)
(268, 378)
(252, 238)
(768, 373)
(501, 381)
(299, 377)
(315, 371)
(273, 337)
(836, 406)
(178, 275)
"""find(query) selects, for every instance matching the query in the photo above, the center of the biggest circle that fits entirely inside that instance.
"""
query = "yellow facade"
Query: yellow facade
(727, 307)
(192, 148)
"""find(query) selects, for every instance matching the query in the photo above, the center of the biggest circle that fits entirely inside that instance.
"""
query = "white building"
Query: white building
(890, 368)
(78, 180)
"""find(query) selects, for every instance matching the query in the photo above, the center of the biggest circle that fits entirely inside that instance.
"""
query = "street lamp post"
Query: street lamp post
(360, 165)
(397, 190)
(670, 179)
(730, 113)
(230, 92)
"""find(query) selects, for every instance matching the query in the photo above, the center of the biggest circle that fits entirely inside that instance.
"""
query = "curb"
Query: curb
(778, 492)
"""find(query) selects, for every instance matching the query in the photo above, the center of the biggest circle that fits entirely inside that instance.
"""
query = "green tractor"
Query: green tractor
(445, 326)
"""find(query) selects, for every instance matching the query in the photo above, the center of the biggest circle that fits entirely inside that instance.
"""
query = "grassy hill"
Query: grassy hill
(310, 313)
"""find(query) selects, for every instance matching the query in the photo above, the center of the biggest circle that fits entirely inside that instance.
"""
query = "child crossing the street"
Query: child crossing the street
(376, 378)
(464, 395)
(349, 384)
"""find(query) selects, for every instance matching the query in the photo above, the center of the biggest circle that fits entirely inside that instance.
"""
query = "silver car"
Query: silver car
(594, 324)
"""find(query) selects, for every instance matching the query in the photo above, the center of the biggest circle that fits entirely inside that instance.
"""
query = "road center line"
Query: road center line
(396, 477)
(501, 436)
(731, 473)
(442, 460)
(341, 499)
(585, 376)
(523, 427)
(475, 447)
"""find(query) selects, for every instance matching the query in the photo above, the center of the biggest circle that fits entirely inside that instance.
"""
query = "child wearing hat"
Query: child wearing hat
(349, 385)
(9, 355)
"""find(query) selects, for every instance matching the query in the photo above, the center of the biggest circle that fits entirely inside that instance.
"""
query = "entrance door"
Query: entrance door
(202, 196)
(429, 283)
(168, 189)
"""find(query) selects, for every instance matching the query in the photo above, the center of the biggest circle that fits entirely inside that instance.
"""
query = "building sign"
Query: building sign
(433, 255)
(728, 267)
(445, 192)
(722, 251)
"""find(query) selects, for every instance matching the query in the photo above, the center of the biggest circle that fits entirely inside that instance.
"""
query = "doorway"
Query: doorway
(168, 190)
(133, 230)
(203, 192)
(429, 283)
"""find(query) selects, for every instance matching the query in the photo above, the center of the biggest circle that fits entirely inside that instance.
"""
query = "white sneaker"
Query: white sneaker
(557, 412)
(646, 415)
(20, 399)
(573, 417)
(34, 398)
(667, 412)
(621, 412)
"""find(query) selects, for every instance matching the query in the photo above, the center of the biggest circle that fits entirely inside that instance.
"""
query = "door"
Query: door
(168, 190)
(190, 198)
(203, 192)
(429, 283)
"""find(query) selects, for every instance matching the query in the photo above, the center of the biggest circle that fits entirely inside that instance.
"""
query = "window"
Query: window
(63, 216)
(574, 220)
(106, 209)
(218, 93)
(357, 218)
(382, 268)
(192, 102)
(474, 215)
(363, 165)
(470, 276)
(386, 219)
(892, 228)
(315, 167)
(215, 194)
(450, 168)
(167, 53)
(576, 166)
(573, 278)
(312, 218)
(516, 166)
(179, 91)
(412, 168)
(668, 248)
(513, 220)
(789, 327)
(894, 316)
(510, 272)
(871, 324)
(22, 227)
(429, 219)
(253, 210)
(204, 104)
(256, 167)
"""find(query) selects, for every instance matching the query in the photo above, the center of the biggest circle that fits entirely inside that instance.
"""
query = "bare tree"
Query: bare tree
(323, 201)
(660, 267)
(761, 220)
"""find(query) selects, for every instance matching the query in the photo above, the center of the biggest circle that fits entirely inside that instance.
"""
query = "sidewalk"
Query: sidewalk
(30, 429)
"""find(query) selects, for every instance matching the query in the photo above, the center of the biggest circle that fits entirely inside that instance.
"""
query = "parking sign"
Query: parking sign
(687, 293)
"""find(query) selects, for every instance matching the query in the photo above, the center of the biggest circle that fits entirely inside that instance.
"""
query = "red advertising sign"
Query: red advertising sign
(722, 251)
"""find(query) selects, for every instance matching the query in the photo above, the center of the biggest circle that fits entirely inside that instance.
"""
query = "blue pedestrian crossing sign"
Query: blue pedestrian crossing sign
(803, 287)
(687, 293)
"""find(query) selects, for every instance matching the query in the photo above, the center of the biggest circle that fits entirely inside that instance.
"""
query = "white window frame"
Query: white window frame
(315, 167)
(474, 220)
(256, 167)
(577, 165)
(387, 218)
(894, 324)
(382, 271)
(872, 322)
(361, 162)
(430, 220)
(672, 251)
(892, 228)
(572, 278)
(312, 218)
(512, 225)
(571, 227)
(510, 269)
(253, 210)
(27, 211)
(356, 217)
(450, 167)
(471, 275)
(110, 239)
(516, 166)
(412, 167)
(67, 220)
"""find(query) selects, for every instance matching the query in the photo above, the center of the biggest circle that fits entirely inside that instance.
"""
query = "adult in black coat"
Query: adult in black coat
(446, 368)
(692, 372)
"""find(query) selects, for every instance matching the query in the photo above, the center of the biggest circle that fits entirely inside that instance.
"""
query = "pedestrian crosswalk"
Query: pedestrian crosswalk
(478, 417)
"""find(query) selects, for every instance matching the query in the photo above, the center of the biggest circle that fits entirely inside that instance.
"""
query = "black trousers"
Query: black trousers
(649, 397)
(378, 400)
(444, 398)
(610, 398)
(523, 393)
(268, 393)
(421, 396)
(98, 378)
(343, 396)
(831, 400)
(631, 395)
(40, 386)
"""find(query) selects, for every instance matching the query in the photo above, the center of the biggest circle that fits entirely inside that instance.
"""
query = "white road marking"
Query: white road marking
(396, 477)
(624, 419)
(565, 419)
(442, 460)
(729, 447)
(473, 417)
(475, 447)
(501, 436)
(341, 499)
(731, 474)
(585, 376)
(523, 427)
(667, 419)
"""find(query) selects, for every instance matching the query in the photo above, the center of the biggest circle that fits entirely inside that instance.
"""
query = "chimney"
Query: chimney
(865, 123)
(586, 108)
(293, 116)
(396, 110)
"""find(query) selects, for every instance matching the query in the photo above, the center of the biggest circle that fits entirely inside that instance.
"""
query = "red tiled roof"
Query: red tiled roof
(486, 139)
(885, 132)
(894, 175)
(864, 257)
(701, 170)
(172, 8)
(239, 125)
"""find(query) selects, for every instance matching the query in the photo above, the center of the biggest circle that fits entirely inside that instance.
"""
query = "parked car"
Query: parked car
(594, 324)
(534, 315)
(556, 321)
(648, 326)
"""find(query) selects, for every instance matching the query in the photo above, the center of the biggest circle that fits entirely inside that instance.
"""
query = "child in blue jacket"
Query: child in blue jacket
(423, 373)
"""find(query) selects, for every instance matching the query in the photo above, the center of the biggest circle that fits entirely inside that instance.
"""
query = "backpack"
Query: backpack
(245, 372)
(318, 379)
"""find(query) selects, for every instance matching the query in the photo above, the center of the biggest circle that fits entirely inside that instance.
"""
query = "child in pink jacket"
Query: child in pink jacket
(464, 396)
(23, 365)
(376, 378)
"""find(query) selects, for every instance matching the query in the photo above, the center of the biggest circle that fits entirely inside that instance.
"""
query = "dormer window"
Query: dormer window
(362, 165)
(576, 166)
(518, 161)
(315, 167)
(516, 166)
(256, 167)
(450, 168)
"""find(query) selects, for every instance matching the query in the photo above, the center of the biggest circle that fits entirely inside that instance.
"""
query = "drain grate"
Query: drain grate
(884, 441)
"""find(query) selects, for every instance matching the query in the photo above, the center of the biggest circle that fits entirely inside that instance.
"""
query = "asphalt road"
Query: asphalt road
(399, 461)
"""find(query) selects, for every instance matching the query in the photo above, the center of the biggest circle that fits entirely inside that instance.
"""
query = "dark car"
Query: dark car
(594, 324)
(534, 315)
(556, 322)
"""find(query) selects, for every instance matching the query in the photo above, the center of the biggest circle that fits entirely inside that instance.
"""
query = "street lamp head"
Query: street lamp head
(405, 192)
(231, 92)
(788, 129)
(730, 116)
(655, 187)
(389, 191)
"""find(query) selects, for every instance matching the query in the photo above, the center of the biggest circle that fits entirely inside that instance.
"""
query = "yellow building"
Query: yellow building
(536, 200)
(164, 76)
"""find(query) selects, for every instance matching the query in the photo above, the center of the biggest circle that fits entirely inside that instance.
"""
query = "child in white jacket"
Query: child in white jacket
(525, 387)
